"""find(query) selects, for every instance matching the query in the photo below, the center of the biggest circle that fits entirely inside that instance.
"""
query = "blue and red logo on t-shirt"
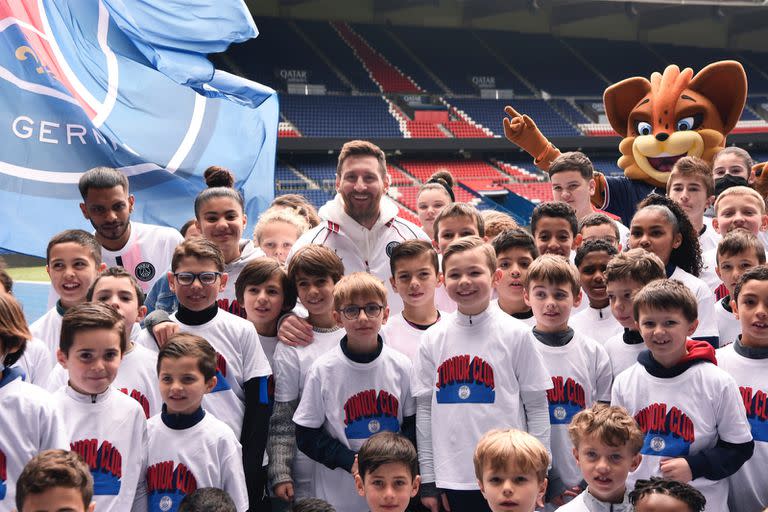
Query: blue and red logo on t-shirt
(168, 484)
(465, 380)
(105, 462)
(3, 475)
(221, 374)
(566, 399)
(756, 404)
(667, 432)
(139, 397)
(369, 412)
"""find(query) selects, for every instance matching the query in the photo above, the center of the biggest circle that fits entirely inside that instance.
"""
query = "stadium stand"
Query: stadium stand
(327, 40)
(279, 47)
(636, 58)
(386, 76)
(340, 116)
(489, 114)
(443, 48)
(383, 41)
(553, 67)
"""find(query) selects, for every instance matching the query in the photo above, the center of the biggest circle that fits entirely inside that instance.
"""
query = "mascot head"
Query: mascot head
(674, 115)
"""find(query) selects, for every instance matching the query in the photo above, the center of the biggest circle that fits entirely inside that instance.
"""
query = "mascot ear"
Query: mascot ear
(620, 98)
(725, 84)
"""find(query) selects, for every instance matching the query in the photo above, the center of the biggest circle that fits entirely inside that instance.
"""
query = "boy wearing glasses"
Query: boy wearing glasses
(239, 398)
(353, 391)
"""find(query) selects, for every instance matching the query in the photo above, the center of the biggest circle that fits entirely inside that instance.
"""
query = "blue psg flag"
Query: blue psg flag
(126, 84)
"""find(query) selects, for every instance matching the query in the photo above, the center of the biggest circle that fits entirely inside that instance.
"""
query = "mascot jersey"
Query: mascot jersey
(673, 115)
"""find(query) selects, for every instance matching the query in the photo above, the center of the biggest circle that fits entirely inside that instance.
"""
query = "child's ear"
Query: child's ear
(440, 280)
(735, 308)
(385, 315)
(620, 247)
(677, 240)
(693, 326)
(210, 384)
(542, 492)
(223, 282)
(142, 313)
(575, 454)
(360, 487)
(61, 357)
(764, 223)
(717, 271)
(526, 298)
(576, 241)
(497, 275)
(710, 201)
(92, 506)
(392, 282)
(636, 460)
(171, 281)
(415, 486)
(577, 299)
(337, 318)
(102, 267)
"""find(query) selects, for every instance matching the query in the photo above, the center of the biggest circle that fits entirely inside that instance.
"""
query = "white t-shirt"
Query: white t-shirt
(47, 329)
(529, 321)
(749, 485)
(268, 345)
(728, 325)
(29, 424)
(709, 239)
(147, 254)
(683, 415)
(580, 376)
(227, 299)
(622, 354)
(705, 299)
(239, 358)
(109, 431)
(291, 367)
(352, 401)
(708, 273)
(36, 362)
(599, 323)
(206, 454)
(136, 377)
(399, 334)
(475, 373)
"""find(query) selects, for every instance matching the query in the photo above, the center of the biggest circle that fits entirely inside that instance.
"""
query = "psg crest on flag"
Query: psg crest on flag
(83, 86)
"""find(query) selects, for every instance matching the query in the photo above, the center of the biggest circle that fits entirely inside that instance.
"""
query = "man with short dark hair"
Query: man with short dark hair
(360, 223)
(144, 250)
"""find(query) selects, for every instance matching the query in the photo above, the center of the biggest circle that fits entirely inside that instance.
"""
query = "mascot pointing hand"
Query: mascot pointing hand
(673, 115)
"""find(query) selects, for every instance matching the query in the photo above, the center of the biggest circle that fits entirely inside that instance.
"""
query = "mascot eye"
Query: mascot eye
(685, 124)
(644, 128)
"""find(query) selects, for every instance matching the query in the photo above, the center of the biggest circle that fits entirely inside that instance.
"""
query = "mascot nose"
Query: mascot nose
(661, 137)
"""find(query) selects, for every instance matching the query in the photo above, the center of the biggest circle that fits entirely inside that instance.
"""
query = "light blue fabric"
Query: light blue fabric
(125, 83)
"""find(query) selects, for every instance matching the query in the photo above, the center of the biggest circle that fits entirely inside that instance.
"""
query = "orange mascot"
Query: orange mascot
(673, 115)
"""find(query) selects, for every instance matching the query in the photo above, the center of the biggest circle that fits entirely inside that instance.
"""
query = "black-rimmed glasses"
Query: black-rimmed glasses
(187, 278)
(353, 312)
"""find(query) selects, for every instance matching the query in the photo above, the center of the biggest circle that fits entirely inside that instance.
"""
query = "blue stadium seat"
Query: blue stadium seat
(455, 56)
(618, 59)
(325, 37)
(279, 47)
(378, 37)
(549, 65)
(340, 116)
(490, 113)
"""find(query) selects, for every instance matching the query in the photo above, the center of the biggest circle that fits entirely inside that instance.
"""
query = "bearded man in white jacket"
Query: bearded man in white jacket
(360, 224)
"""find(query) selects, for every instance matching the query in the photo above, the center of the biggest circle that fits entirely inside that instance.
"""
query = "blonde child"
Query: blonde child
(511, 466)
(277, 230)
